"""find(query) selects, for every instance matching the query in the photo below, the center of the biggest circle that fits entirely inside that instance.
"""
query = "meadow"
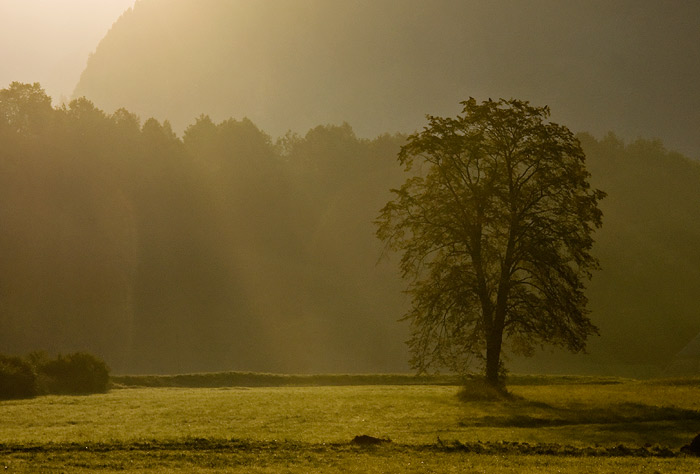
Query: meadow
(288, 424)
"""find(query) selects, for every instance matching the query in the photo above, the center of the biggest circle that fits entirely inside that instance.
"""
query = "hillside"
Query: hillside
(629, 66)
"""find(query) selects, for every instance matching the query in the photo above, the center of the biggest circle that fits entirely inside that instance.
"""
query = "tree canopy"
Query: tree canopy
(495, 227)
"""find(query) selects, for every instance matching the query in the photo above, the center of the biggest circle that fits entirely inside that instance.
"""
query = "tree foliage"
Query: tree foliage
(77, 373)
(495, 228)
(39, 374)
(17, 378)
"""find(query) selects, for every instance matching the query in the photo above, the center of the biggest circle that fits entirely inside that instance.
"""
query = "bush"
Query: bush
(77, 373)
(17, 378)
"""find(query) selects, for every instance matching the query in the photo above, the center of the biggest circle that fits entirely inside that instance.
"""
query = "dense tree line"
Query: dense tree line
(224, 249)
(645, 298)
(220, 250)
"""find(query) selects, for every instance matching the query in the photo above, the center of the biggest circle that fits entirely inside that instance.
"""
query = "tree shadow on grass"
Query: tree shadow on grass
(632, 423)
(526, 414)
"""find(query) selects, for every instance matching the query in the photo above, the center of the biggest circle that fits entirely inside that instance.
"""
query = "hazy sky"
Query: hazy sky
(48, 41)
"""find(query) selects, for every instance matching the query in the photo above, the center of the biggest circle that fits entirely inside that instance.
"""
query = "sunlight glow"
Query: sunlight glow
(49, 41)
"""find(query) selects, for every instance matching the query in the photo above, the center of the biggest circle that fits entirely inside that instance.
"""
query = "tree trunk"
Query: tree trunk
(493, 358)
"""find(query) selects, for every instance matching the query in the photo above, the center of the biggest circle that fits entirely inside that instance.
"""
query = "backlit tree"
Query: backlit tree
(495, 228)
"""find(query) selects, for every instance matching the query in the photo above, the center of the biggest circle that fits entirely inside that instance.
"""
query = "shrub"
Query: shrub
(77, 373)
(17, 378)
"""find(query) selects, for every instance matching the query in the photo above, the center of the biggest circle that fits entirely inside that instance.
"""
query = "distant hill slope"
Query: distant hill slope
(629, 66)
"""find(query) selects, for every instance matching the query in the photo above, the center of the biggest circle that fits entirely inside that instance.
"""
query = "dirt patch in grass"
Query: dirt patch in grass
(260, 447)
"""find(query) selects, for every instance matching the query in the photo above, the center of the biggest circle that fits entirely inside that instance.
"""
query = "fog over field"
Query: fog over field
(235, 231)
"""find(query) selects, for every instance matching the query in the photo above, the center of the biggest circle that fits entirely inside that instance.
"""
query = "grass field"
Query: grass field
(552, 424)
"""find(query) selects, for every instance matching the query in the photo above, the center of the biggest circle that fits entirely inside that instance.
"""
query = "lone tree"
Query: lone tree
(495, 228)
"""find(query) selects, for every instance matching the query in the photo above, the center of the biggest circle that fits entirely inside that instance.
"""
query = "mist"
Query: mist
(626, 66)
(209, 204)
(49, 42)
(218, 251)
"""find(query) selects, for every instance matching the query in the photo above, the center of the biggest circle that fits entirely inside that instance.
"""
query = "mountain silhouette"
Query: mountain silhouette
(381, 65)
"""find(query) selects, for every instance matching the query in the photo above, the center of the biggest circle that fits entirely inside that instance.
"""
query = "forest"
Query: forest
(223, 249)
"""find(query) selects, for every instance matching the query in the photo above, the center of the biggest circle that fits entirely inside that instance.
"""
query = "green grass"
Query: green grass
(571, 425)
(255, 379)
